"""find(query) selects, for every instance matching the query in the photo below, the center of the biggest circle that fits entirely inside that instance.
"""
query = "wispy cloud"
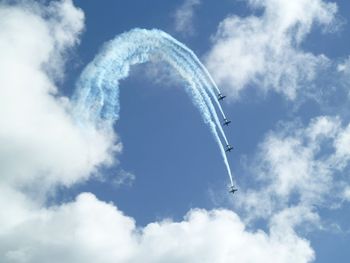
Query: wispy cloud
(123, 178)
(344, 66)
(299, 169)
(265, 51)
(184, 15)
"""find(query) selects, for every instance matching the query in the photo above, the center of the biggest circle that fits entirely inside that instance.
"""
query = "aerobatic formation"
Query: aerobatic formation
(96, 99)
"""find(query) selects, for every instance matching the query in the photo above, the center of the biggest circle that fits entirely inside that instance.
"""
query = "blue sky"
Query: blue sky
(155, 187)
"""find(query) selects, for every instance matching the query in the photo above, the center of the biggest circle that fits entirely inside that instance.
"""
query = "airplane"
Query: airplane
(221, 97)
(226, 122)
(232, 189)
(229, 148)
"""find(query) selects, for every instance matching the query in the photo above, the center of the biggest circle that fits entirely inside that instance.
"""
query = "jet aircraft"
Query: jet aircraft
(229, 148)
(226, 122)
(221, 97)
(232, 189)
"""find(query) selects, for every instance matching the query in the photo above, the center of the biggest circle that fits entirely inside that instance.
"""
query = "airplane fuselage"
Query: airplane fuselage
(221, 97)
(233, 190)
(226, 122)
(229, 148)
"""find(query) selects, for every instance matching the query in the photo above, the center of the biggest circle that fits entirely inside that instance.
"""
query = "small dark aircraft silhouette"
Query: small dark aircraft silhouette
(226, 122)
(232, 189)
(229, 148)
(221, 97)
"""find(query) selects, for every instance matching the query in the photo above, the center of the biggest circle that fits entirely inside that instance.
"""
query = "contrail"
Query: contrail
(96, 99)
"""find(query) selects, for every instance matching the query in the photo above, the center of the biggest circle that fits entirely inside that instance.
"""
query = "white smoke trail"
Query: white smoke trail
(97, 93)
(183, 62)
(210, 83)
(181, 67)
(189, 60)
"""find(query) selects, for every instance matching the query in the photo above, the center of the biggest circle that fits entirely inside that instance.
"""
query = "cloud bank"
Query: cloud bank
(88, 230)
(40, 140)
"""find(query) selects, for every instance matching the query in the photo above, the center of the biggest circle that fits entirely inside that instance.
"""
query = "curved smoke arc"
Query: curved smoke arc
(96, 98)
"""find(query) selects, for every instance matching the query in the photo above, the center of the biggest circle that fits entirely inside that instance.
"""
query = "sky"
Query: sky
(152, 185)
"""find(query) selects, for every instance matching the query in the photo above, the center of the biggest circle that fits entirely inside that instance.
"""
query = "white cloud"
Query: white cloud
(88, 230)
(265, 50)
(184, 17)
(301, 168)
(38, 137)
(123, 178)
(344, 66)
(346, 193)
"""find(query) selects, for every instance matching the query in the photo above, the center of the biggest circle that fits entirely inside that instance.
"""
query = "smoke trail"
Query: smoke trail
(194, 66)
(96, 99)
(183, 64)
(191, 65)
(193, 59)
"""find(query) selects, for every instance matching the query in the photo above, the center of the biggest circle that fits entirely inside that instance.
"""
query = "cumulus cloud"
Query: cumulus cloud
(184, 17)
(266, 50)
(301, 168)
(88, 230)
(39, 138)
